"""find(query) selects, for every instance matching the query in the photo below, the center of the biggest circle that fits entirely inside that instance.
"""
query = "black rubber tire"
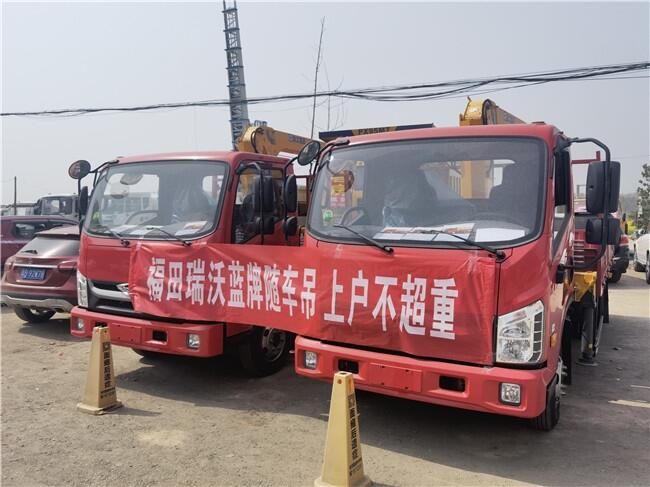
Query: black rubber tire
(253, 356)
(637, 265)
(33, 316)
(647, 270)
(616, 276)
(551, 414)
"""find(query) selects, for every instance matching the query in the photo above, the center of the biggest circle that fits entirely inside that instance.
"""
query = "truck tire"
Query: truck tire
(265, 351)
(33, 315)
(616, 276)
(551, 414)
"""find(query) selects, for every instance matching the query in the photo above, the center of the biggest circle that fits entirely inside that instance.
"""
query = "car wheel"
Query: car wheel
(265, 352)
(647, 269)
(616, 276)
(637, 265)
(33, 315)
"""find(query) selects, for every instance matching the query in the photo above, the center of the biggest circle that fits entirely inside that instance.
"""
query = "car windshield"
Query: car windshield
(157, 200)
(487, 189)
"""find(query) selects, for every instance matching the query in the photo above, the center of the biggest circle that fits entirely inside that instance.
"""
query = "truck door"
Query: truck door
(561, 239)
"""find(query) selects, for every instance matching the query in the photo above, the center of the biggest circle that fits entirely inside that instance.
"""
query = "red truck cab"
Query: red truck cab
(189, 199)
(488, 213)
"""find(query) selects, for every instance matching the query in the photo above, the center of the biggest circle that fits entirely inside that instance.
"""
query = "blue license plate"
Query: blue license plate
(32, 274)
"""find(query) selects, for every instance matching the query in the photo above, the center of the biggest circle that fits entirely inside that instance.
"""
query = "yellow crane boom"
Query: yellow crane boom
(263, 139)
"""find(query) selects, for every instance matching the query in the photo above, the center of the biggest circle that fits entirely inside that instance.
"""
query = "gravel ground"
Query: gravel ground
(203, 422)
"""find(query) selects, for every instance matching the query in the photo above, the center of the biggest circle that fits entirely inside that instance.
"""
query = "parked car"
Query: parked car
(16, 231)
(621, 258)
(642, 255)
(41, 279)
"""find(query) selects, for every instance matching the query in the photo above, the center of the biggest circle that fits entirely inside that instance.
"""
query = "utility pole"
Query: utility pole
(320, 43)
(15, 195)
(236, 84)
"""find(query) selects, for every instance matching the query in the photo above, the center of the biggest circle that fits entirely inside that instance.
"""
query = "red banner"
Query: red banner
(424, 302)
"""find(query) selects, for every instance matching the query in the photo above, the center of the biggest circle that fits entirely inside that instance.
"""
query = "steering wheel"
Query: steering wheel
(141, 212)
(497, 216)
(360, 209)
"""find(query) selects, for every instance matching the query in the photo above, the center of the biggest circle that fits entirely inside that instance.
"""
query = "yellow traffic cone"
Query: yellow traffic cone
(100, 395)
(343, 464)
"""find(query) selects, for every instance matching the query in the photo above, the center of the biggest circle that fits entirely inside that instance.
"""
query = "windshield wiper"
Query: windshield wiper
(118, 236)
(499, 254)
(371, 241)
(187, 243)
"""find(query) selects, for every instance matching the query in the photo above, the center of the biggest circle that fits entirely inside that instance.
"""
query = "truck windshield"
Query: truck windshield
(180, 198)
(487, 189)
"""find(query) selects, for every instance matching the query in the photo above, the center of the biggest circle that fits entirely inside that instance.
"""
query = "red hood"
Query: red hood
(437, 303)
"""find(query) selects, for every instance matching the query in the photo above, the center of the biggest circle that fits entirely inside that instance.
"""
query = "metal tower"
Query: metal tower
(236, 85)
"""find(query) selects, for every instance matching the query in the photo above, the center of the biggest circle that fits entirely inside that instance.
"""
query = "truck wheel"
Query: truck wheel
(265, 352)
(33, 315)
(551, 414)
(616, 276)
(637, 265)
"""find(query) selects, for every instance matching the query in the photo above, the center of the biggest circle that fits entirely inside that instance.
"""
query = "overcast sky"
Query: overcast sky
(62, 55)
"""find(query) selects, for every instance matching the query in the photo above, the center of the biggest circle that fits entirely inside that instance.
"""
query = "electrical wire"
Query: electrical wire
(395, 93)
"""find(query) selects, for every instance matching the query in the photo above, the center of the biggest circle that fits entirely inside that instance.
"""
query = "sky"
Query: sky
(69, 55)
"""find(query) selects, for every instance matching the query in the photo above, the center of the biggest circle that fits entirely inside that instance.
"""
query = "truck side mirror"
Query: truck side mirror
(594, 231)
(79, 169)
(83, 201)
(309, 152)
(291, 194)
(596, 196)
(290, 226)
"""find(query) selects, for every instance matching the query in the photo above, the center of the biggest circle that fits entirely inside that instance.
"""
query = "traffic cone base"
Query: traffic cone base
(84, 408)
(100, 395)
(343, 463)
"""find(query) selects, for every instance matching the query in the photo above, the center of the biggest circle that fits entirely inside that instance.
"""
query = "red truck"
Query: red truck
(190, 200)
(438, 265)
(483, 320)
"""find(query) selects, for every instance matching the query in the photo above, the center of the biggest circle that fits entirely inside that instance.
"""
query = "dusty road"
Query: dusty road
(188, 422)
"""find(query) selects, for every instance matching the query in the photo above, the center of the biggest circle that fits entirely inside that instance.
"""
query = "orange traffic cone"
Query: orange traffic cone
(100, 395)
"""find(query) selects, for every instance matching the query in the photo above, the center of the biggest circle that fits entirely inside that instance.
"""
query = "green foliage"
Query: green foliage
(643, 195)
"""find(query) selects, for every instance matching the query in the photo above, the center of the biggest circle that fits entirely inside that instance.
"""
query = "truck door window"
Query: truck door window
(245, 225)
(562, 197)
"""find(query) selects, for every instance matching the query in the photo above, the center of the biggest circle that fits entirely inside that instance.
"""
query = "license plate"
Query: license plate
(32, 274)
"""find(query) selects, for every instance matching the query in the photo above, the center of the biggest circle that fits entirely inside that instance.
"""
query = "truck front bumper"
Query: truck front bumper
(153, 336)
(462, 386)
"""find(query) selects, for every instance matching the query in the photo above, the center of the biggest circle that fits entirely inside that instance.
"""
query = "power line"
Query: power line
(396, 93)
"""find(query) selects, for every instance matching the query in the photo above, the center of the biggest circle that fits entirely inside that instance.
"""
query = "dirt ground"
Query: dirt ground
(195, 422)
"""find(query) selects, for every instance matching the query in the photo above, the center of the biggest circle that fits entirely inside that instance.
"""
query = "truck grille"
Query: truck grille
(106, 297)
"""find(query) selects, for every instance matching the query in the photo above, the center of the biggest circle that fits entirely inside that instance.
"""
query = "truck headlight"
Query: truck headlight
(520, 335)
(82, 290)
